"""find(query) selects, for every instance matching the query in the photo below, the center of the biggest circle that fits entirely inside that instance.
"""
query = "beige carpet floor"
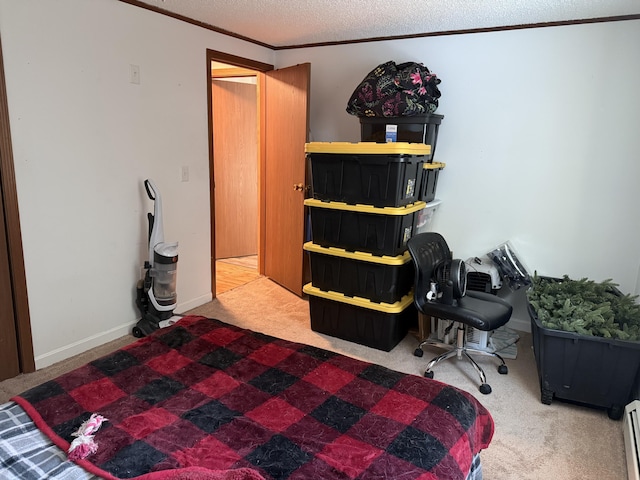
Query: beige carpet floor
(532, 441)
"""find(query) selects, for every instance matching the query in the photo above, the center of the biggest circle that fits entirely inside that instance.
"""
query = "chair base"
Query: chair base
(460, 350)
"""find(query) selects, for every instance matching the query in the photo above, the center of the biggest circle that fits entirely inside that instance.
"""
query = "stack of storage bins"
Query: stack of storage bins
(413, 129)
(365, 207)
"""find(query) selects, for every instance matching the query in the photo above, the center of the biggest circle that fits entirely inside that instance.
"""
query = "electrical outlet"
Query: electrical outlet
(184, 172)
(134, 74)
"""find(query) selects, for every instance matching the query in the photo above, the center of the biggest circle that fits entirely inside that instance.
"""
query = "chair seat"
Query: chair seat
(476, 309)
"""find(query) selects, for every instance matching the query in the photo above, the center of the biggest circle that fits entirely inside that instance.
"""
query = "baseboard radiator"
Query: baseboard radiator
(631, 426)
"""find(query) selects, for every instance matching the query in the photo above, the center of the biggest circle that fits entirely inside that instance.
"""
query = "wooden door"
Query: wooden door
(285, 129)
(235, 144)
(16, 349)
(9, 360)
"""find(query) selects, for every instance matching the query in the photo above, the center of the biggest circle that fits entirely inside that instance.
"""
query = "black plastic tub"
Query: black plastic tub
(377, 325)
(382, 175)
(594, 371)
(430, 181)
(363, 228)
(381, 279)
(413, 129)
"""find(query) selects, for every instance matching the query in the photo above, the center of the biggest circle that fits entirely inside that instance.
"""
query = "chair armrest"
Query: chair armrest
(488, 297)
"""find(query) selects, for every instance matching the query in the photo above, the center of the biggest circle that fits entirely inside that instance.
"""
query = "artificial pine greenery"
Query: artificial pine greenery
(585, 307)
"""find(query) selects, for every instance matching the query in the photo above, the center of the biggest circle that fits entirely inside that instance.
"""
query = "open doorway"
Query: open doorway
(282, 128)
(235, 124)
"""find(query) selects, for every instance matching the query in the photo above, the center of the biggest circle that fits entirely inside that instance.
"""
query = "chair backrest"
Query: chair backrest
(427, 250)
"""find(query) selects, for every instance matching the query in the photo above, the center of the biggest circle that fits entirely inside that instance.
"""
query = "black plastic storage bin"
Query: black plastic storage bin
(413, 129)
(363, 228)
(430, 181)
(376, 325)
(382, 175)
(594, 371)
(381, 279)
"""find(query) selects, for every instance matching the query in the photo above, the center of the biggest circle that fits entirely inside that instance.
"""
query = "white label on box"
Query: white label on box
(391, 133)
(407, 235)
(411, 187)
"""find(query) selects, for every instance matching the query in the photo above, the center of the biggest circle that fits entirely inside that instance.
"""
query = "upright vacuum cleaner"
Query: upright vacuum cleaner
(156, 296)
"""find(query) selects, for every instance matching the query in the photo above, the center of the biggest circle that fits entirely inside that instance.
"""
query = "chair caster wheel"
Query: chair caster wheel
(418, 352)
(428, 374)
(503, 370)
(485, 389)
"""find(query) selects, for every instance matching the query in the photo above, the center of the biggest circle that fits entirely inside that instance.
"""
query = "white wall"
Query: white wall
(84, 139)
(540, 138)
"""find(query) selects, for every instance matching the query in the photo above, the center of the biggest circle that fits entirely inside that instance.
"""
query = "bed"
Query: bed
(203, 399)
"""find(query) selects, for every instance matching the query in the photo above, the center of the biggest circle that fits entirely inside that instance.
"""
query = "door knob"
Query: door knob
(298, 187)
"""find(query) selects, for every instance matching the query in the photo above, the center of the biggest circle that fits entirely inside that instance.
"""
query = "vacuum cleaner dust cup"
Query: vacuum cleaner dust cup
(163, 273)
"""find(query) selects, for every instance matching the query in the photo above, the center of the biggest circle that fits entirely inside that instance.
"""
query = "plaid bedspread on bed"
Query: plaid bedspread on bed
(206, 394)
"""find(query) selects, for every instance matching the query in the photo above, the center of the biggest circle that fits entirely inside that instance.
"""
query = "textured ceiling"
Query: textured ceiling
(281, 23)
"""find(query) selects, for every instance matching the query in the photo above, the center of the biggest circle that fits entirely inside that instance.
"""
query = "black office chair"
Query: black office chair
(440, 292)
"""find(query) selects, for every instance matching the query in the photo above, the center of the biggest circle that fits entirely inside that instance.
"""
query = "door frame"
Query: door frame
(9, 193)
(256, 68)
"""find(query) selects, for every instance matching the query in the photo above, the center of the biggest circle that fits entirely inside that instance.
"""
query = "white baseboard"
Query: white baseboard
(83, 345)
(101, 338)
(196, 302)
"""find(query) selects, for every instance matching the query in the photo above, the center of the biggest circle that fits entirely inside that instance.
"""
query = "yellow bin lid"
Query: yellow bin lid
(397, 307)
(395, 148)
(434, 165)
(361, 208)
(362, 256)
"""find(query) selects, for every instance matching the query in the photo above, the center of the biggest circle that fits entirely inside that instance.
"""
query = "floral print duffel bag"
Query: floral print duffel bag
(392, 90)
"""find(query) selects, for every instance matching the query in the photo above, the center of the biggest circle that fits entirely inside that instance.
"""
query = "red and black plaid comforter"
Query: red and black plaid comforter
(210, 395)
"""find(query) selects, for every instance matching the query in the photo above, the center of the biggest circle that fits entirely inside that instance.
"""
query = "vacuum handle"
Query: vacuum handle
(150, 188)
(150, 219)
